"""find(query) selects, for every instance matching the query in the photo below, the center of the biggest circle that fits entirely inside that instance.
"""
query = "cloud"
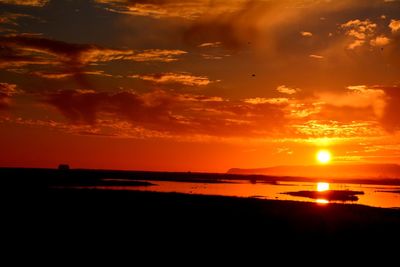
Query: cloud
(64, 59)
(267, 34)
(355, 44)
(34, 49)
(306, 34)
(302, 110)
(376, 106)
(199, 98)
(7, 90)
(167, 112)
(383, 101)
(245, 22)
(212, 45)
(360, 96)
(112, 128)
(394, 25)
(260, 101)
(316, 56)
(213, 57)
(283, 89)
(335, 129)
(34, 3)
(12, 18)
(380, 41)
(170, 77)
(360, 30)
(63, 75)
(157, 55)
(156, 9)
(162, 9)
(265, 26)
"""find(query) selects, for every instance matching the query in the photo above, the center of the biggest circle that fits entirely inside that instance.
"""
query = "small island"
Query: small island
(330, 195)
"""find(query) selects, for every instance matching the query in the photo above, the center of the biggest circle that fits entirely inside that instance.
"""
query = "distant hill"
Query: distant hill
(328, 171)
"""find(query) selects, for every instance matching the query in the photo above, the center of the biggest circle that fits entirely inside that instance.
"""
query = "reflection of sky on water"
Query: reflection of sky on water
(373, 195)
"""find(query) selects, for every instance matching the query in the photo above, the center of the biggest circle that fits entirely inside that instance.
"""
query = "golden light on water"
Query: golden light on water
(321, 187)
(322, 201)
(324, 156)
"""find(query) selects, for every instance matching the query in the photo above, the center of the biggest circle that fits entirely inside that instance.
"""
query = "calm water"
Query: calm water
(373, 194)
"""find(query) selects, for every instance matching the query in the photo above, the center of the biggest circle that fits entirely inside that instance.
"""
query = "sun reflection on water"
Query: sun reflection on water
(321, 187)
(322, 201)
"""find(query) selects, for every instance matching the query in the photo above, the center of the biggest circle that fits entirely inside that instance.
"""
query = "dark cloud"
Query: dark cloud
(168, 112)
(11, 19)
(34, 3)
(76, 54)
(234, 28)
(69, 59)
(160, 9)
(7, 90)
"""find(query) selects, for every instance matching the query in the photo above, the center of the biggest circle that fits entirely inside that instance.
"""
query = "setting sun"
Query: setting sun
(324, 156)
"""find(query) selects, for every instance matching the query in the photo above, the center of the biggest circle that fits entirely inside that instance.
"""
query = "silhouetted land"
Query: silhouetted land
(331, 195)
(107, 218)
(46, 177)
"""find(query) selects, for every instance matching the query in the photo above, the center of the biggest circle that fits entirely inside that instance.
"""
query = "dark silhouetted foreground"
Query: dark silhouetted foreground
(86, 218)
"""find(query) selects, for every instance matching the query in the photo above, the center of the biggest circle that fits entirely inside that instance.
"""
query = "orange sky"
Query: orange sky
(198, 85)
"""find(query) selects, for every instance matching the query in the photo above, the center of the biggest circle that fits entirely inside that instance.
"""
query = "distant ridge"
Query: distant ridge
(328, 171)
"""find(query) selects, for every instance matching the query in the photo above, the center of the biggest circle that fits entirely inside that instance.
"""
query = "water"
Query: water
(373, 194)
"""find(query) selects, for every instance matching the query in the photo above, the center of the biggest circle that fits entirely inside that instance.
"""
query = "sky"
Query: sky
(198, 85)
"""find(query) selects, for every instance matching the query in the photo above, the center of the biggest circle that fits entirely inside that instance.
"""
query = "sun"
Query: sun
(324, 156)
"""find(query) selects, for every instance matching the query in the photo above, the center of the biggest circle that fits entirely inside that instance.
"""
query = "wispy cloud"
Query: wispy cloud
(12, 18)
(331, 128)
(33, 49)
(306, 34)
(162, 9)
(210, 45)
(261, 100)
(62, 75)
(35, 3)
(170, 77)
(168, 112)
(283, 89)
(316, 56)
(359, 96)
(160, 55)
(61, 59)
